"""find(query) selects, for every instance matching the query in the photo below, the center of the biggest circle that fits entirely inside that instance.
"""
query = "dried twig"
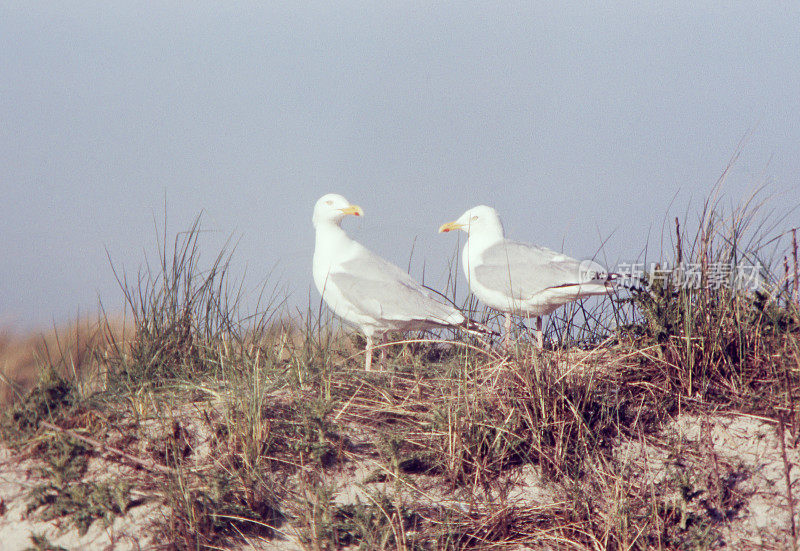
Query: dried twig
(795, 292)
(787, 467)
(147, 465)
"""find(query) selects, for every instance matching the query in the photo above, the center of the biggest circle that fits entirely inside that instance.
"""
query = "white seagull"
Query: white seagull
(366, 290)
(518, 278)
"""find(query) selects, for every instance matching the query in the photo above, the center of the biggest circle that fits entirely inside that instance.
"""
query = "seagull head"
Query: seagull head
(333, 208)
(480, 220)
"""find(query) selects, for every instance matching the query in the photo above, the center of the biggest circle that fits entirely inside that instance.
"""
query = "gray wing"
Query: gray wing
(520, 270)
(382, 290)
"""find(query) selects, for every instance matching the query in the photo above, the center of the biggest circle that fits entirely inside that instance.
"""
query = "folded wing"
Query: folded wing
(384, 292)
(521, 271)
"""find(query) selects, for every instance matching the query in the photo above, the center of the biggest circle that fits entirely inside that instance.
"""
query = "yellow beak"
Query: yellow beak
(450, 226)
(355, 210)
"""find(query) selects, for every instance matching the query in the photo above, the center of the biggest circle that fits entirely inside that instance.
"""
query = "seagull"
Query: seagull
(366, 290)
(518, 278)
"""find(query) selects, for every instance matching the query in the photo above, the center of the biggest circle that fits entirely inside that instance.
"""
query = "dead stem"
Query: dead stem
(787, 467)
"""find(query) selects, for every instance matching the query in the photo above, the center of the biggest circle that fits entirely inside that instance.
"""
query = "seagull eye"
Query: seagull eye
(328, 202)
(473, 218)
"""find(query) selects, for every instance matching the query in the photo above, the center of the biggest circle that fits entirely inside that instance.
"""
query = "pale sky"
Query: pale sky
(578, 123)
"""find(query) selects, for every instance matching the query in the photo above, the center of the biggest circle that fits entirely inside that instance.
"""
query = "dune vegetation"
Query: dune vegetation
(664, 418)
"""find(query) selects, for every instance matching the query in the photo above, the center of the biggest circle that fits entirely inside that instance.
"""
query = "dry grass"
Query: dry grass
(68, 350)
(248, 429)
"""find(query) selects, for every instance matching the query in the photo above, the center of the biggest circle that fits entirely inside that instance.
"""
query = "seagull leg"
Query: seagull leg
(368, 350)
(539, 336)
(507, 325)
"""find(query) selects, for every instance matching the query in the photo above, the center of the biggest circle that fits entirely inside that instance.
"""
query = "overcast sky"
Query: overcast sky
(579, 123)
